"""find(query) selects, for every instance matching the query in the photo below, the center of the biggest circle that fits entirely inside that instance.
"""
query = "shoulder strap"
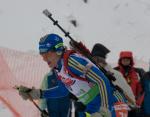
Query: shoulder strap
(67, 70)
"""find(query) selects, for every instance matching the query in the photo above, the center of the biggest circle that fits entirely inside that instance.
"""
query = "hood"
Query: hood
(126, 54)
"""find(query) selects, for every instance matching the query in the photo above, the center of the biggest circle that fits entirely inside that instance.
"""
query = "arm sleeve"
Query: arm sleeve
(55, 92)
(55, 88)
(78, 64)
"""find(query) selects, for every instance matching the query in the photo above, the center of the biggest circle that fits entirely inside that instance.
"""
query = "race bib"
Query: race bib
(121, 109)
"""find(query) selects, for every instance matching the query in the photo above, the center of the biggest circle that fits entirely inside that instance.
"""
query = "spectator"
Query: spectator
(99, 53)
(146, 87)
(133, 77)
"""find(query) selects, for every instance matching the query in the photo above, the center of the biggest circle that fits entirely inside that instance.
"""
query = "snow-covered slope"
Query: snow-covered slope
(119, 24)
(4, 112)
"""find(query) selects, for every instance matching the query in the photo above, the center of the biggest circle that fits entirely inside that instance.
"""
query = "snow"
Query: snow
(4, 112)
(120, 25)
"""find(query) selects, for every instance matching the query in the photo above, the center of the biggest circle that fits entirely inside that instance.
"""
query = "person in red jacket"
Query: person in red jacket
(132, 75)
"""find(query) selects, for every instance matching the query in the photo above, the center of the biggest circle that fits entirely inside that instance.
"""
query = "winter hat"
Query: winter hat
(51, 42)
(126, 54)
(100, 50)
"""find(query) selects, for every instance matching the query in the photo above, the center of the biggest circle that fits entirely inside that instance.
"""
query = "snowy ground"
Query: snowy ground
(118, 24)
(4, 112)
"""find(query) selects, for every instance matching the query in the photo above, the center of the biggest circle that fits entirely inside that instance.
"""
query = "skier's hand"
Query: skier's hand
(105, 112)
(27, 93)
(35, 93)
(24, 92)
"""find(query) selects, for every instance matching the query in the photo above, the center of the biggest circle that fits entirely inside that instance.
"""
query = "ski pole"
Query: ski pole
(43, 112)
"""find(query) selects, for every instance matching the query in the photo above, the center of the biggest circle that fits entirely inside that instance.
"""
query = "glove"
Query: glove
(104, 112)
(35, 93)
(27, 93)
(97, 114)
(24, 92)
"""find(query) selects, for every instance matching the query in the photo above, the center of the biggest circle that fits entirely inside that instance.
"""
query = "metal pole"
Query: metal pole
(43, 112)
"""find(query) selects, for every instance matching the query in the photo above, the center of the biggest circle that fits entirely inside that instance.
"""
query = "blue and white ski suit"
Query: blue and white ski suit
(94, 90)
(57, 98)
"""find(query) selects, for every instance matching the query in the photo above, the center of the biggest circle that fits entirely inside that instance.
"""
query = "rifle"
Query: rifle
(85, 52)
(78, 45)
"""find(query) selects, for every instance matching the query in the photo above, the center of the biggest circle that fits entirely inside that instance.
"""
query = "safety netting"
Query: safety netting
(19, 68)
(28, 69)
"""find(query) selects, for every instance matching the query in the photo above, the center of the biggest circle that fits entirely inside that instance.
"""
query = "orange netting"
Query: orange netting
(17, 68)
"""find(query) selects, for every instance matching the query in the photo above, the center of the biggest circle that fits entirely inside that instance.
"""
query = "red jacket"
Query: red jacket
(131, 75)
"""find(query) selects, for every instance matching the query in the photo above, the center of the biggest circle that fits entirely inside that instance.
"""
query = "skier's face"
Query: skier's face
(125, 61)
(51, 58)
